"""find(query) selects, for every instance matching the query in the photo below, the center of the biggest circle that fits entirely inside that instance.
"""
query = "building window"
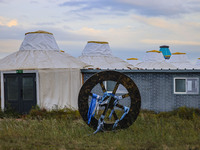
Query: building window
(180, 85)
(186, 85)
(110, 85)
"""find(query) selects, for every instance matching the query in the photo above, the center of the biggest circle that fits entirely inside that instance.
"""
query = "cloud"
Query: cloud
(71, 35)
(14, 32)
(163, 7)
(157, 22)
(103, 7)
(9, 45)
(45, 23)
(170, 42)
(8, 22)
(181, 29)
(12, 23)
(144, 7)
(34, 2)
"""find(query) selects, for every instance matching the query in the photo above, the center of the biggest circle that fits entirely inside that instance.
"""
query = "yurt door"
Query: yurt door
(20, 91)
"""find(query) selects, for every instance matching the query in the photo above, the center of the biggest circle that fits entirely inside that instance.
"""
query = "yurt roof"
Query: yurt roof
(133, 61)
(39, 50)
(97, 48)
(198, 62)
(39, 40)
(154, 60)
(179, 57)
(181, 61)
(31, 60)
(99, 55)
(155, 65)
(153, 56)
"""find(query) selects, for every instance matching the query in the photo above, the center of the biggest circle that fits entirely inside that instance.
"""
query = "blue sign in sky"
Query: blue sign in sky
(131, 27)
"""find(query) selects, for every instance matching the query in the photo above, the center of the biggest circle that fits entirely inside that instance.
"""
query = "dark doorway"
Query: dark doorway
(20, 91)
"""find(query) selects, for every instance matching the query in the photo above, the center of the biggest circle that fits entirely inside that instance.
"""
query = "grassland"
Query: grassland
(60, 130)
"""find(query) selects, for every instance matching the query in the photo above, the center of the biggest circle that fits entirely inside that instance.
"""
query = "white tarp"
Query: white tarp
(154, 60)
(153, 56)
(94, 48)
(39, 40)
(39, 59)
(59, 88)
(105, 62)
(100, 56)
(198, 62)
(180, 61)
(155, 65)
(133, 61)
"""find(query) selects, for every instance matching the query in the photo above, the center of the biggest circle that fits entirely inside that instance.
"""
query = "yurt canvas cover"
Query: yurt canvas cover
(198, 62)
(57, 74)
(154, 60)
(100, 56)
(180, 61)
(133, 61)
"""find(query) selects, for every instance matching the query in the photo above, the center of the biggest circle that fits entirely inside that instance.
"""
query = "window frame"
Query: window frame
(186, 85)
(14, 72)
(117, 92)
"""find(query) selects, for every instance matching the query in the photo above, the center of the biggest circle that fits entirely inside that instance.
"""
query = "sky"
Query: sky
(131, 27)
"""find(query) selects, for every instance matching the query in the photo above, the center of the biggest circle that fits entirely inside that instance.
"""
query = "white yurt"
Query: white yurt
(154, 60)
(100, 56)
(181, 61)
(40, 74)
(198, 62)
(133, 61)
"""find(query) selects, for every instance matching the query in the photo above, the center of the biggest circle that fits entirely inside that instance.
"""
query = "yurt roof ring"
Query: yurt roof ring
(178, 53)
(39, 31)
(98, 42)
(154, 51)
(132, 58)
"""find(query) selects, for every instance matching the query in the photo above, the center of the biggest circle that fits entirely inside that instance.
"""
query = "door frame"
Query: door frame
(15, 72)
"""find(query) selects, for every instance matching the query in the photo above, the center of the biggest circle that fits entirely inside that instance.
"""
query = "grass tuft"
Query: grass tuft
(182, 112)
(64, 113)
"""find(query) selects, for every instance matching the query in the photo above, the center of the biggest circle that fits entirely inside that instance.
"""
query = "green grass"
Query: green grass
(64, 129)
